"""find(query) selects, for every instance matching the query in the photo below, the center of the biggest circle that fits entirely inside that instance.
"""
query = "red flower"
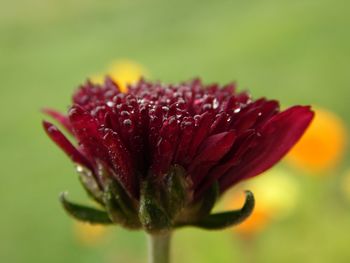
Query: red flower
(213, 132)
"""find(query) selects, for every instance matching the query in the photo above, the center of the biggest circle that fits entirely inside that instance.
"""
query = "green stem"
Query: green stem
(159, 248)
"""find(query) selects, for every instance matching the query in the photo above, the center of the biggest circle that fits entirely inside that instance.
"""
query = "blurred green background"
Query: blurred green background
(296, 51)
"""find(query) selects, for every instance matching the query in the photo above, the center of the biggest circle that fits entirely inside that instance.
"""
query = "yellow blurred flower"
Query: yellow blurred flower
(123, 72)
(276, 194)
(323, 144)
(88, 234)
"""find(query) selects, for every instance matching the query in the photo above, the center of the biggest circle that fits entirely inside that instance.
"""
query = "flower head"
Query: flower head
(157, 156)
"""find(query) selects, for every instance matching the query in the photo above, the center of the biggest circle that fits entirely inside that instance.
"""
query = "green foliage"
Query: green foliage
(152, 214)
(226, 219)
(120, 207)
(84, 213)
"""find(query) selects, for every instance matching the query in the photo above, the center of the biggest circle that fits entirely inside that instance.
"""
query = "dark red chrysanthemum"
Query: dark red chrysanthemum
(216, 134)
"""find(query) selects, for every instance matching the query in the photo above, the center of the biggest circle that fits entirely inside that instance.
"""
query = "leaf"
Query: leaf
(84, 213)
(225, 219)
(202, 207)
(89, 183)
(177, 192)
(120, 207)
(205, 206)
(151, 213)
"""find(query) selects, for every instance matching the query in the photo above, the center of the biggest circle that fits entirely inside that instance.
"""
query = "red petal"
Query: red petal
(222, 120)
(215, 147)
(278, 136)
(59, 117)
(162, 157)
(211, 151)
(200, 134)
(86, 130)
(241, 145)
(187, 126)
(269, 109)
(166, 146)
(66, 145)
(121, 161)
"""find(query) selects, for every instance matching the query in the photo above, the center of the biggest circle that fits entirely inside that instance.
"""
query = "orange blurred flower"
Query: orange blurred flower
(88, 234)
(123, 72)
(323, 144)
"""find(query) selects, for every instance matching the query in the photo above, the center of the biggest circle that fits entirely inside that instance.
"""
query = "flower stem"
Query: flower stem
(159, 248)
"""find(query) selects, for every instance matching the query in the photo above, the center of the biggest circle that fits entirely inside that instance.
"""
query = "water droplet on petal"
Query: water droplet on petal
(127, 122)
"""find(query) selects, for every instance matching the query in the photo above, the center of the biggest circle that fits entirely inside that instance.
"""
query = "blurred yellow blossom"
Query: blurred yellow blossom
(88, 234)
(123, 72)
(323, 144)
(276, 194)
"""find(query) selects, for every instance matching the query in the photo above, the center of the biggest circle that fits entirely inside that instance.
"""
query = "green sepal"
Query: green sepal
(120, 207)
(84, 213)
(152, 214)
(177, 193)
(90, 185)
(202, 207)
(225, 219)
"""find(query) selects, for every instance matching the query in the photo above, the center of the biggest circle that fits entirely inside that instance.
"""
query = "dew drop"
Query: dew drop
(215, 104)
(110, 104)
(52, 129)
(207, 106)
(80, 169)
(125, 113)
(127, 122)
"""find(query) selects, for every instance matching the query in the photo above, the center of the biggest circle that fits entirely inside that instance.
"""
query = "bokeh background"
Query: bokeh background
(295, 51)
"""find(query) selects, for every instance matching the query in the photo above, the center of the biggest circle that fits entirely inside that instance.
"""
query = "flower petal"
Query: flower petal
(187, 130)
(201, 132)
(210, 152)
(86, 130)
(61, 118)
(121, 161)
(66, 145)
(278, 136)
(241, 145)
